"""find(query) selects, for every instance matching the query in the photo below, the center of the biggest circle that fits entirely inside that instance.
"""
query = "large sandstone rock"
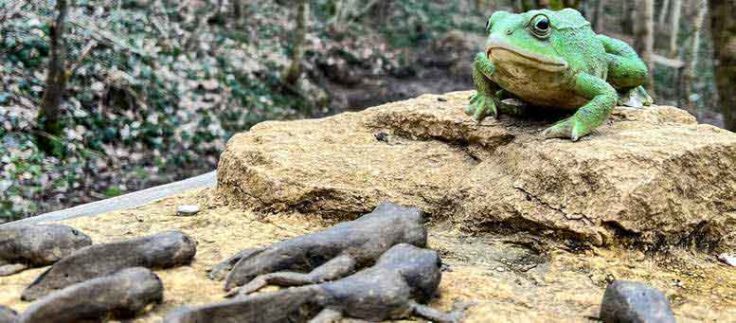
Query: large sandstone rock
(652, 177)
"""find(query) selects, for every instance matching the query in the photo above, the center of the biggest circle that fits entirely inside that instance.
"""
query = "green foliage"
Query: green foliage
(414, 22)
(155, 91)
(138, 98)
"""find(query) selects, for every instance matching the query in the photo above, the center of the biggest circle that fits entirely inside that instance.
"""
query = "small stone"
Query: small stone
(500, 269)
(627, 301)
(187, 210)
(381, 136)
(678, 283)
(728, 259)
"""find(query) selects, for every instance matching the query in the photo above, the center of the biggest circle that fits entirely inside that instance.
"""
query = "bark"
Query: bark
(688, 74)
(337, 19)
(644, 36)
(237, 9)
(598, 15)
(525, 5)
(675, 25)
(627, 21)
(723, 31)
(294, 71)
(49, 123)
(663, 13)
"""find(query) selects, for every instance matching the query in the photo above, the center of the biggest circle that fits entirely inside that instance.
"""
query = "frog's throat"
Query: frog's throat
(502, 51)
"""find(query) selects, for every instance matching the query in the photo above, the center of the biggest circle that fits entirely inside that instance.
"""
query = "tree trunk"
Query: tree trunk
(526, 5)
(690, 69)
(663, 13)
(336, 22)
(237, 11)
(644, 37)
(675, 26)
(294, 71)
(600, 6)
(723, 31)
(628, 12)
(48, 120)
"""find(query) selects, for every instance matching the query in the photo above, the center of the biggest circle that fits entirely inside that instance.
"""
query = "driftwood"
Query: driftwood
(402, 278)
(8, 315)
(25, 246)
(325, 255)
(122, 295)
(163, 250)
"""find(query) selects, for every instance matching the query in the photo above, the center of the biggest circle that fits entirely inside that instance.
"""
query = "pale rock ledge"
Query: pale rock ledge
(651, 177)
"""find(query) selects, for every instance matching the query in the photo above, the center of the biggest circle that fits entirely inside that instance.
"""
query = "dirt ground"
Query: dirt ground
(514, 278)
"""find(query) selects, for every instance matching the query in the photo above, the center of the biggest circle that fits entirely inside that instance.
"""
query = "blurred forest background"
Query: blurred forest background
(99, 98)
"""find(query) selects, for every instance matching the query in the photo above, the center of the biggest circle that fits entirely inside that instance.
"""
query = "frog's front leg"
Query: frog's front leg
(626, 72)
(483, 102)
(602, 100)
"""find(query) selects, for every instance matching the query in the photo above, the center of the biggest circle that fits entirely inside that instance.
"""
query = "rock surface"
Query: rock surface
(539, 282)
(652, 177)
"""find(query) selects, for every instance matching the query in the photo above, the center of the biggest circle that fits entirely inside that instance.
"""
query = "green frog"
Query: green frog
(554, 59)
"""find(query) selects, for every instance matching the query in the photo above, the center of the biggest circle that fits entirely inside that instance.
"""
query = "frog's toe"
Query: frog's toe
(636, 98)
(481, 114)
(470, 109)
(481, 107)
(570, 128)
(562, 129)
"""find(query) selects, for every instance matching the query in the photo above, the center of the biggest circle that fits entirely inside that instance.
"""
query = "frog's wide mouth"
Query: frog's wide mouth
(504, 52)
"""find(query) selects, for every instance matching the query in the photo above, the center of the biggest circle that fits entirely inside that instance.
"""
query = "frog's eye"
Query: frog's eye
(540, 26)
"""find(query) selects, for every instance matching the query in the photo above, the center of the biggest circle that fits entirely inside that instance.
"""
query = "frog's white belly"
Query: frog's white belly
(533, 83)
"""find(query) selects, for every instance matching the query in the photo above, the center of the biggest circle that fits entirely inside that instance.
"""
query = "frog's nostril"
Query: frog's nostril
(509, 31)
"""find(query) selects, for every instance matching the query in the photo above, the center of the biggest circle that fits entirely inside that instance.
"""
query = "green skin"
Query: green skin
(554, 59)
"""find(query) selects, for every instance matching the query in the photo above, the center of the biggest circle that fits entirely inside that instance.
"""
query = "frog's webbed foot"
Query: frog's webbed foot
(10, 269)
(602, 99)
(635, 97)
(564, 129)
(481, 106)
(336, 268)
(570, 128)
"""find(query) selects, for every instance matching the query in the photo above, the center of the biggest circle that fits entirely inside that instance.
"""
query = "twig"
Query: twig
(365, 10)
(82, 55)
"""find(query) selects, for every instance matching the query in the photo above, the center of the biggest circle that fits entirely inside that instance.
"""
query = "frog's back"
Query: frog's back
(576, 41)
